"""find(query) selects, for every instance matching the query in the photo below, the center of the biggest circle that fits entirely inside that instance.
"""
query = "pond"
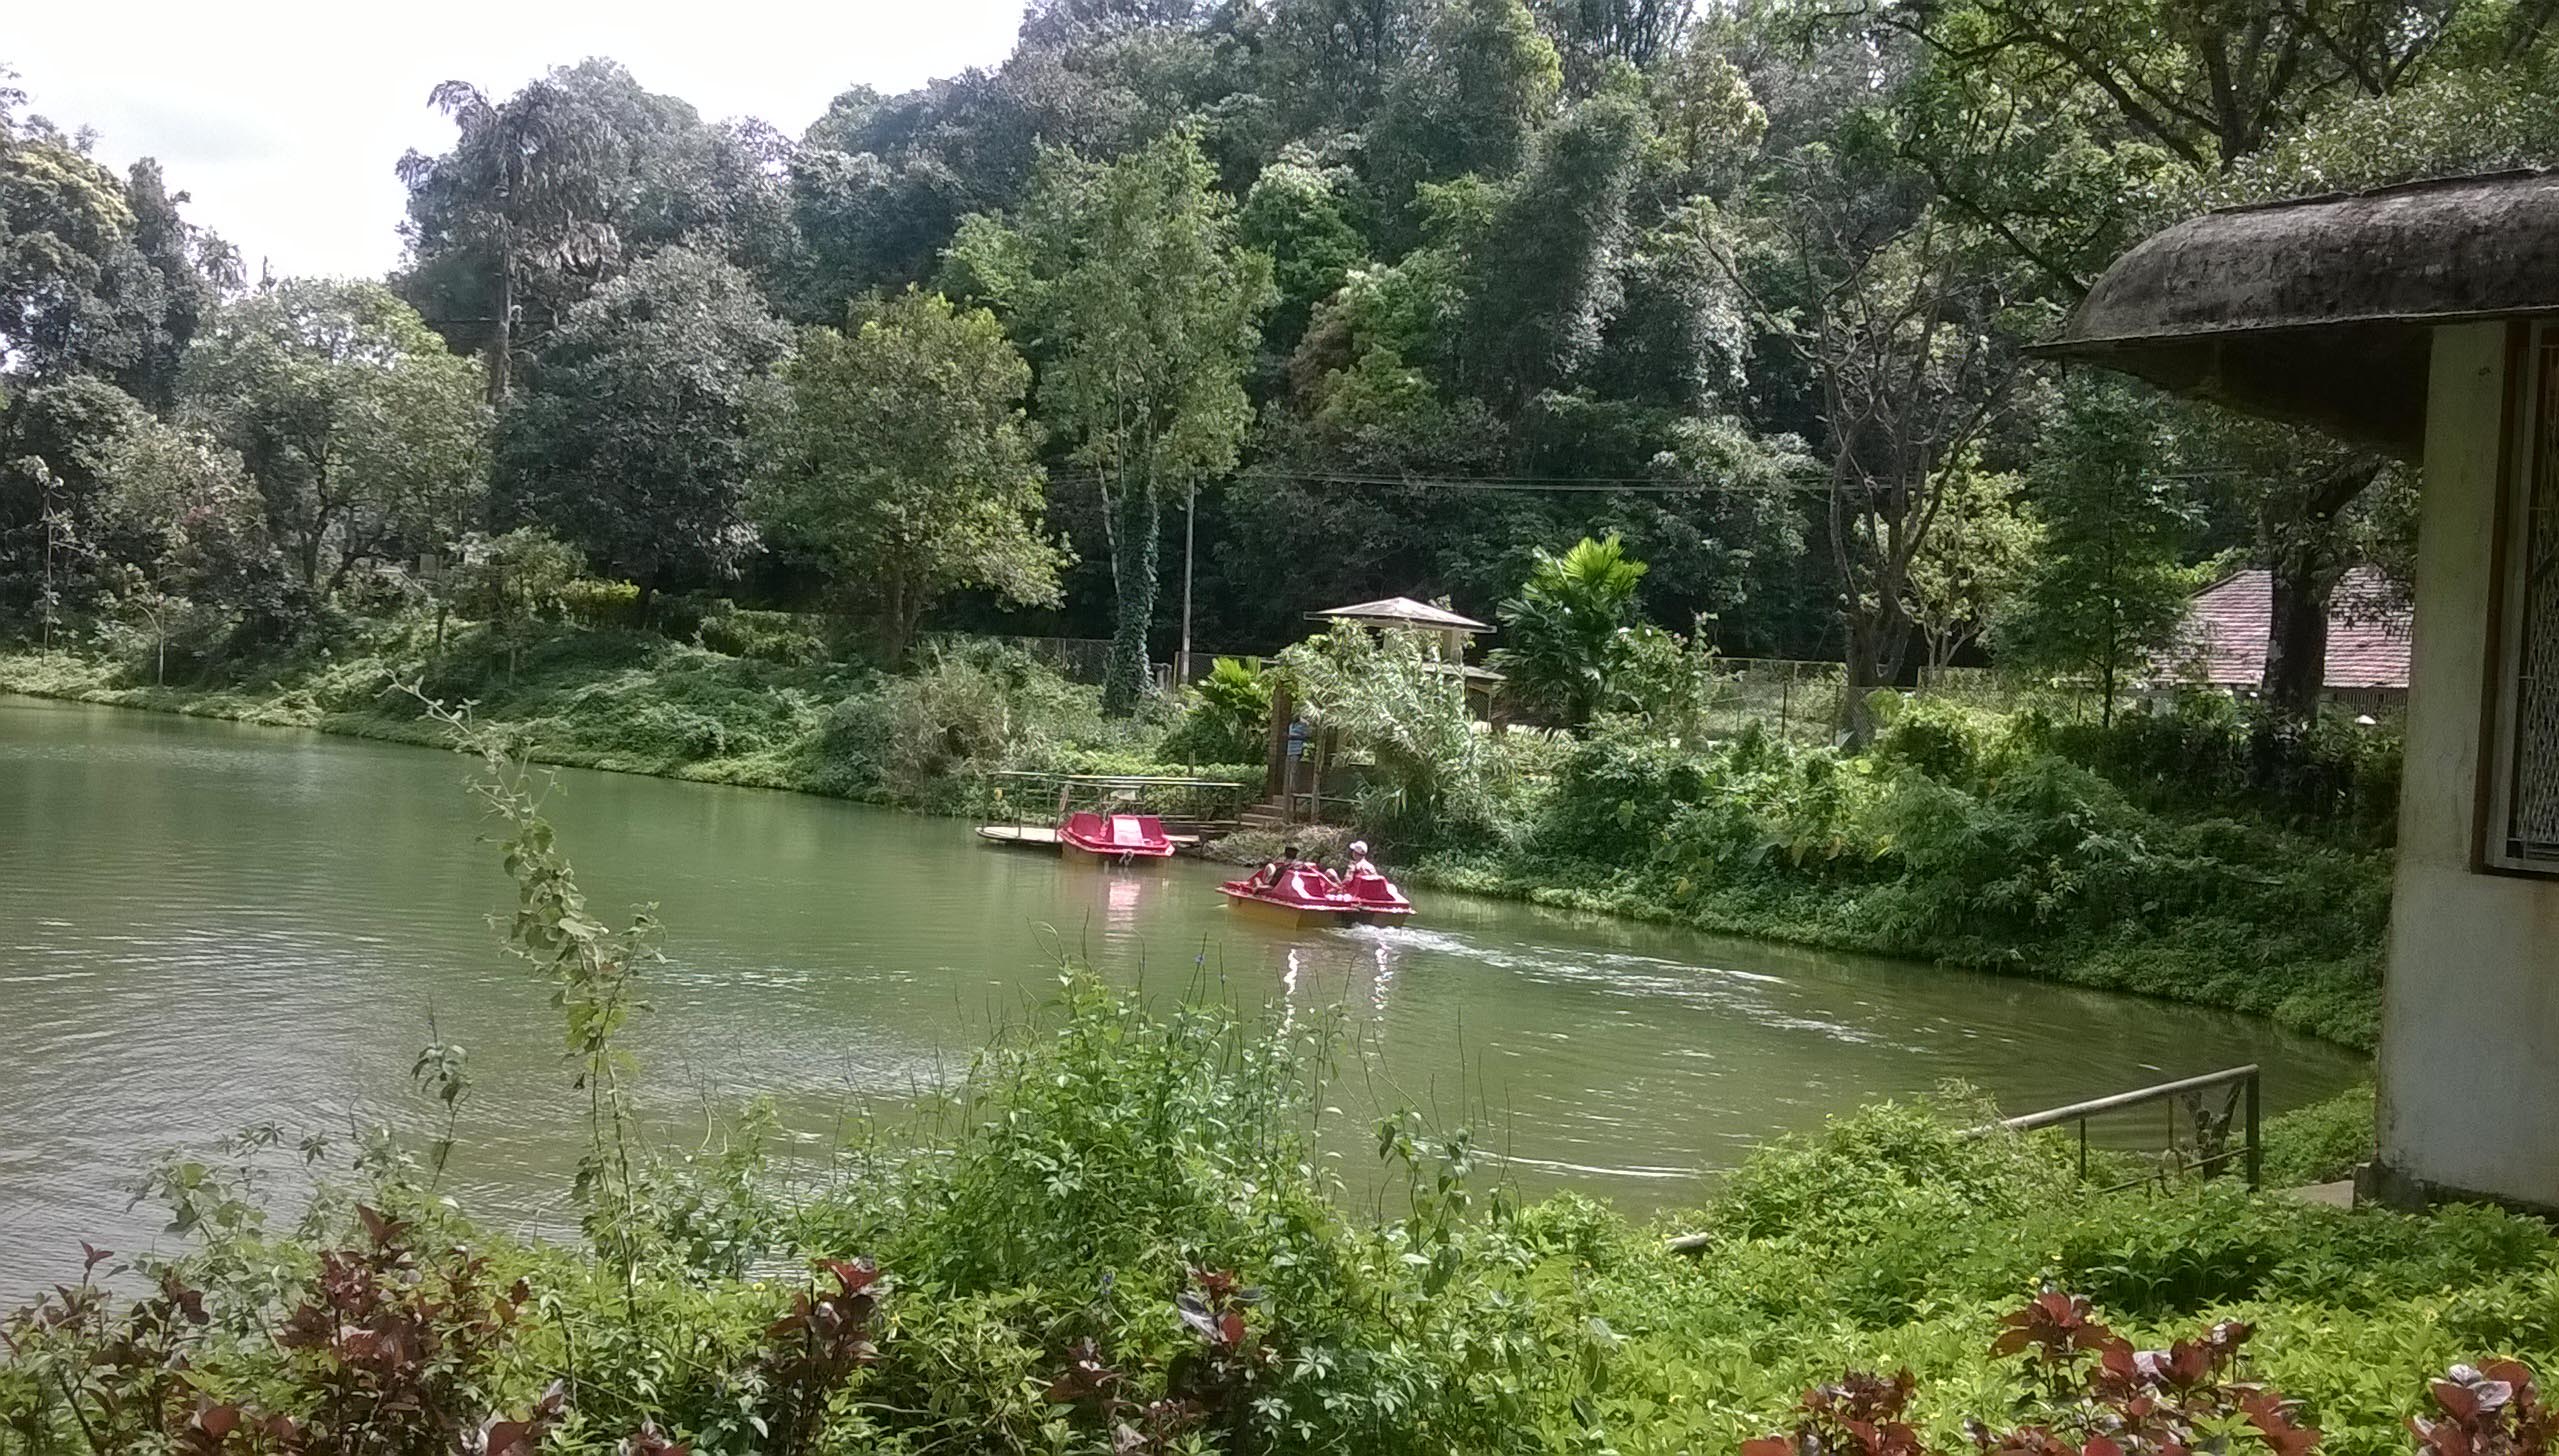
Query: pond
(207, 925)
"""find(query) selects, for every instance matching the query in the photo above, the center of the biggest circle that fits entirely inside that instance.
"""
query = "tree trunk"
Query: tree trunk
(2305, 559)
(1134, 550)
(1275, 761)
(502, 337)
(1877, 639)
(2297, 635)
(904, 614)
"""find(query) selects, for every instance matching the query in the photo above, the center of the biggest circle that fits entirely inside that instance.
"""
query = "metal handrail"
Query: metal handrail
(2252, 1148)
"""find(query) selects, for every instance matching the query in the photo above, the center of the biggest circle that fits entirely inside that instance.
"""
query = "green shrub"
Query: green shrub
(2322, 1142)
(782, 637)
(595, 603)
(967, 709)
(2209, 752)
(1227, 718)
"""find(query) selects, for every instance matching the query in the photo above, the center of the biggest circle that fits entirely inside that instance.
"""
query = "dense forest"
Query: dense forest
(1360, 296)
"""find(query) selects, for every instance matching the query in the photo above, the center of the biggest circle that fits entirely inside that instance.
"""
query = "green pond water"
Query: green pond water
(207, 925)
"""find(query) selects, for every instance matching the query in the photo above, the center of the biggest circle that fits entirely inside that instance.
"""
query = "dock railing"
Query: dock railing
(2212, 1128)
(2242, 1103)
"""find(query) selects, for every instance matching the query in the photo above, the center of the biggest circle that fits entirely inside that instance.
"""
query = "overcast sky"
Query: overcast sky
(284, 117)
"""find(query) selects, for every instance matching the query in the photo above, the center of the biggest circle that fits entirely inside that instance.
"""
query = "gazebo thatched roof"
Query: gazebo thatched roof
(1402, 612)
(2319, 310)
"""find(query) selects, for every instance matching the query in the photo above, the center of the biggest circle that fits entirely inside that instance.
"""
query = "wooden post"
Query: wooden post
(1275, 767)
(1321, 751)
(1190, 519)
(2256, 1145)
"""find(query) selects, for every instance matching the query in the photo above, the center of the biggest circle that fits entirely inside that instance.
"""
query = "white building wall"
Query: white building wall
(2470, 1010)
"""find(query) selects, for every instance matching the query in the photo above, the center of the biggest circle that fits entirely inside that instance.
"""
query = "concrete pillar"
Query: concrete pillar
(2470, 1009)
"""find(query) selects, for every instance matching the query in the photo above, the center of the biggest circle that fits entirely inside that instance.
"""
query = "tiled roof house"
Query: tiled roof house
(2223, 640)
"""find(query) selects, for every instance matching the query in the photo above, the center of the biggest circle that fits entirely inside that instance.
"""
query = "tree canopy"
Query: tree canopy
(899, 458)
(1400, 295)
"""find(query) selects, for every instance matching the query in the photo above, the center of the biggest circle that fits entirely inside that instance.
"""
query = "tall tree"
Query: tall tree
(1484, 83)
(1295, 216)
(2106, 593)
(1865, 283)
(629, 437)
(186, 529)
(1974, 563)
(195, 267)
(76, 292)
(366, 436)
(57, 447)
(1139, 306)
(1543, 269)
(511, 227)
(1330, 62)
(900, 459)
(1595, 36)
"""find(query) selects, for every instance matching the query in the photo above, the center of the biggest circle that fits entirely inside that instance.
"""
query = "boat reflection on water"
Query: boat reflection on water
(1121, 903)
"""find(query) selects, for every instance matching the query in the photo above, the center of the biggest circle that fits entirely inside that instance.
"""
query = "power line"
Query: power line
(1523, 484)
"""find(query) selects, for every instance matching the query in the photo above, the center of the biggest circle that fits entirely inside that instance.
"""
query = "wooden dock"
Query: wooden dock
(1042, 836)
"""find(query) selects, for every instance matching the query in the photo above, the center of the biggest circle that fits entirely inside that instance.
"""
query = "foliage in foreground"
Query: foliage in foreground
(1119, 1239)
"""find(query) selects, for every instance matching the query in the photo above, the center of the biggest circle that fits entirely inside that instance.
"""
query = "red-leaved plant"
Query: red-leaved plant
(2489, 1410)
(388, 1353)
(815, 1349)
(2092, 1394)
(1206, 1385)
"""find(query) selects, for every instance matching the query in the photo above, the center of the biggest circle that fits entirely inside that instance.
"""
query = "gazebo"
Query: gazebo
(1452, 631)
(1403, 614)
(2422, 320)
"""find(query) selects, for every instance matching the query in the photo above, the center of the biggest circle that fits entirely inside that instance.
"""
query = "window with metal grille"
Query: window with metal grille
(2523, 827)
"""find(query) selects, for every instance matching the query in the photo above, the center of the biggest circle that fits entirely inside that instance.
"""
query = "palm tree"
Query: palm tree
(1560, 634)
(526, 180)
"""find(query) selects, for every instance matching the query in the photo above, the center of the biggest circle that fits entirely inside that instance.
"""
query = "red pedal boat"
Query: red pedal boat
(1102, 838)
(1305, 895)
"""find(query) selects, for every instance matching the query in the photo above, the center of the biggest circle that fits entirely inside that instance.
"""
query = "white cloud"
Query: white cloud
(284, 118)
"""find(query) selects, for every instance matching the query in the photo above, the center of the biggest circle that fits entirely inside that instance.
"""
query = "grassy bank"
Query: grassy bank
(2162, 858)
(636, 702)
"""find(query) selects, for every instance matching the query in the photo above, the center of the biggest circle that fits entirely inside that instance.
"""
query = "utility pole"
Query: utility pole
(1190, 524)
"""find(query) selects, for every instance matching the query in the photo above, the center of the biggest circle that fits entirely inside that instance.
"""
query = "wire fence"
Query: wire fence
(1791, 699)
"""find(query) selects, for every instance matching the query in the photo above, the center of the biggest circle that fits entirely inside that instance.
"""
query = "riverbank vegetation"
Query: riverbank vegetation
(2206, 854)
(1116, 1235)
(778, 712)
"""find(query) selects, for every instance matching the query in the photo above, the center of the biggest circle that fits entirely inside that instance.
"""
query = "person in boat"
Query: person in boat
(1272, 869)
(1362, 870)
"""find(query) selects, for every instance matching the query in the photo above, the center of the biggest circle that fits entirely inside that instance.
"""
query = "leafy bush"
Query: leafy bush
(595, 603)
(782, 637)
(2210, 752)
(1228, 718)
(1963, 839)
(2322, 1142)
(967, 709)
